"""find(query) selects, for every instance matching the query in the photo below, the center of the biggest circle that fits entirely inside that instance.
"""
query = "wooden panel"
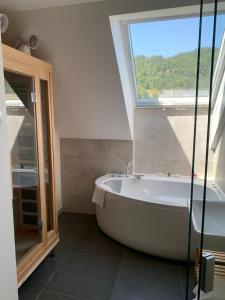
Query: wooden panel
(53, 147)
(20, 62)
(33, 258)
(42, 207)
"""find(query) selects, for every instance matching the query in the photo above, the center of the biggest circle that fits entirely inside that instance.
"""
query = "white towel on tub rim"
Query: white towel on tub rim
(99, 195)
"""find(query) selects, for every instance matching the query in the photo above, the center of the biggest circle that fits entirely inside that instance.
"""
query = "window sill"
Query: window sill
(179, 102)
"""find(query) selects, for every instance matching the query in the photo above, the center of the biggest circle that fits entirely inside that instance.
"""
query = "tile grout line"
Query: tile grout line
(79, 239)
(96, 253)
(122, 258)
(59, 294)
(181, 282)
(57, 268)
(44, 286)
(117, 273)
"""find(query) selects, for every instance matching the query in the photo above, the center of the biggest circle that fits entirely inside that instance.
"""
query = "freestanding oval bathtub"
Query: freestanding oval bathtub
(150, 213)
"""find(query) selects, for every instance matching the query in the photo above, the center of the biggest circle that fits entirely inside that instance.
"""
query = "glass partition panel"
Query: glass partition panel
(199, 147)
(21, 121)
(213, 213)
(206, 206)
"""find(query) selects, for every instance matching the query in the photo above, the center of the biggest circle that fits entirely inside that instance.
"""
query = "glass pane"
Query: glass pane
(165, 59)
(21, 121)
(213, 213)
(200, 142)
(208, 211)
(47, 152)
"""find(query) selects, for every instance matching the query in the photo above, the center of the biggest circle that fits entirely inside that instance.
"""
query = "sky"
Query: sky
(170, 37)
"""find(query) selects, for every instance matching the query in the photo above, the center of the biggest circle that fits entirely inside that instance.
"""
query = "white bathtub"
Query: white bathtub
(150, 213)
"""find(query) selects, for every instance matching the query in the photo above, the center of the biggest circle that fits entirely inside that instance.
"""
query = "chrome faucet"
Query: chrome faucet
(128, 167)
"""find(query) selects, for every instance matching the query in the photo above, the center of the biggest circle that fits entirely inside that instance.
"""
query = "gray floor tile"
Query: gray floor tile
(144, 280)
(157, 293)
(192, 281)
(131, 254)
(86, 276)
(42, 274)
(88, 265)
(95, 241)
(27, 294)
(77, 219)
(70, 235)
(60, 254)
(53, 296)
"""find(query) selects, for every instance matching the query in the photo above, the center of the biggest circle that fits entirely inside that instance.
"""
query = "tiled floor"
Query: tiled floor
(88, 265)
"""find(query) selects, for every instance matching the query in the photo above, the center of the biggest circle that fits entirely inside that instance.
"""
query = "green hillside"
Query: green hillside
(157, 73)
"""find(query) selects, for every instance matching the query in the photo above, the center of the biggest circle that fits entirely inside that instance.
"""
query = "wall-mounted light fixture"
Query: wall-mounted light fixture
(4, 23)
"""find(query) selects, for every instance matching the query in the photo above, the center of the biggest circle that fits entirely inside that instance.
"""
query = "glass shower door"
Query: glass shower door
(206, 276)
(21, 122)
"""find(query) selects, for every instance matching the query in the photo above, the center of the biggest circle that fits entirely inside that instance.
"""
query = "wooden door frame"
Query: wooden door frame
(24, 64)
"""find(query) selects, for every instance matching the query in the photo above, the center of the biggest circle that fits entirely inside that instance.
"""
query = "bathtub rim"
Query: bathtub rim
(100, 183)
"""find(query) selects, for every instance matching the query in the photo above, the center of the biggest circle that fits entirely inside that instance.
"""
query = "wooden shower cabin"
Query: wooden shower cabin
(30, 126)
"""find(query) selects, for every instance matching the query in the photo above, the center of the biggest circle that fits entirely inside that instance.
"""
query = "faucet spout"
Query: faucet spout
(129, 168)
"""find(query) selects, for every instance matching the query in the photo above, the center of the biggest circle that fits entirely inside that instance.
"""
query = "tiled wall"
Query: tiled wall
(163, 139)
(84, 160)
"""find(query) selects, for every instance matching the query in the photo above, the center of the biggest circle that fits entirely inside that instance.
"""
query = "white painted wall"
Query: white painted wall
(77, 40)
(8, 277)
(22, 5)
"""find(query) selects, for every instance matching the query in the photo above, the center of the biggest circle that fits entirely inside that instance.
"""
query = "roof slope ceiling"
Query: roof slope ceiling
(23, 5)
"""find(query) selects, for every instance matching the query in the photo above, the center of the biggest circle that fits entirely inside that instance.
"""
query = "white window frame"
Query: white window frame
(218, 99)
(122, 43)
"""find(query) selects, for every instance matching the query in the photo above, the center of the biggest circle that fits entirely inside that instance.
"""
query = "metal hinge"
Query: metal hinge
(207, 274)
(39, 225)
(33, 97)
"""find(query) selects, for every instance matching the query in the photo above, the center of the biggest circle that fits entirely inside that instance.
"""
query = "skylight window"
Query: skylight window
(165, 58)
(157, 55)
(164, 54)
(157, 52)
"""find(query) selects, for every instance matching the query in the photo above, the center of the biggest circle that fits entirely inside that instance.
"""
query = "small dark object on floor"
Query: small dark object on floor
(52, 253)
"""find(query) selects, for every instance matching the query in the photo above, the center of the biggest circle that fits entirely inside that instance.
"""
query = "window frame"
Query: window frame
(218, 99)
(125, 59)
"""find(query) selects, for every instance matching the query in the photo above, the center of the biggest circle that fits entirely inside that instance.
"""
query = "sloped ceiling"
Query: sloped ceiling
(23, 5)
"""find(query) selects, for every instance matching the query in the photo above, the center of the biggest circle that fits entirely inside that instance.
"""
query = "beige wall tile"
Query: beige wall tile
(163, 141)
(82, 162)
